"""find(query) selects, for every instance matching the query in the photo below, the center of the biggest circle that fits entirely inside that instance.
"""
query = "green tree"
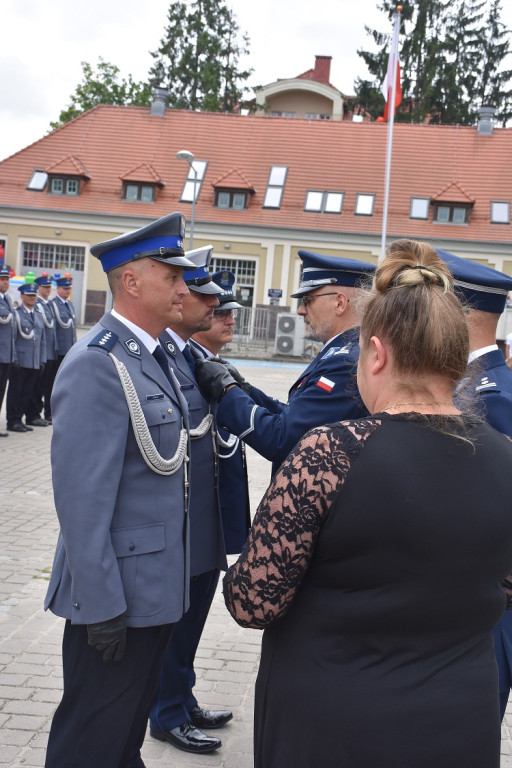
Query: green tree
(198, 59)
(451, 58)
(103, 86)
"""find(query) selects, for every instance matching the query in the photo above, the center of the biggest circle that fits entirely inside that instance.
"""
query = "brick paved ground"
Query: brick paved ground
(30, 664)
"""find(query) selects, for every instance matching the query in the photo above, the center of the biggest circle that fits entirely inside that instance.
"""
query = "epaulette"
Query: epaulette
(345, 350)
(105, 340)
(485, 384)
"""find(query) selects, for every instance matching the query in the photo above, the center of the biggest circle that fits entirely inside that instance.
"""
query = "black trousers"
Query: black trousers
(40, 403)
(22, 382)
(102, 717)
(4, 378)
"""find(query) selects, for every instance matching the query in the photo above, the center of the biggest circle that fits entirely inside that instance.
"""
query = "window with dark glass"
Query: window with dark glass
(451, 213)
(134, 192)
(230, 198)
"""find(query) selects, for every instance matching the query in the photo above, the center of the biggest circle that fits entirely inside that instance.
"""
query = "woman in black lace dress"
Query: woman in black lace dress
(377, 556)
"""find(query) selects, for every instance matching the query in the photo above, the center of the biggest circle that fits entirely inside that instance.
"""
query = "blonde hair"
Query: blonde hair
(412, 305)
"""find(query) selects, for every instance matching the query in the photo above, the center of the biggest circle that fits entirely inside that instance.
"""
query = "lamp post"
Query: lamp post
(189, 158)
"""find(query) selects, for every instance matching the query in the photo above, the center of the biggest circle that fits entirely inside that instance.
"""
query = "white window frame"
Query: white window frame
(38, 181)
(364, 200)
(323, 201)
(496, 216)
(419, 203)
(187, 193)
(275, 186)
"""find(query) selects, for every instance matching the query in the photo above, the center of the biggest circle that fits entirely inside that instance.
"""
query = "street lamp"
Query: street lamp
(189, 158)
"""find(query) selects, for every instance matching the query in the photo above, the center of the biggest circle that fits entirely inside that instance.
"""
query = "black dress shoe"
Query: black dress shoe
(48, 419)
(18, 428)
(4, 434)
(188, 738)
(27, 429)
(38, 422)
(210, 718)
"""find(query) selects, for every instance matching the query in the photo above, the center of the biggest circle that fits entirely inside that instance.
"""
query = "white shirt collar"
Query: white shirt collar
(482, 351)
(149, 342)
(179, 341)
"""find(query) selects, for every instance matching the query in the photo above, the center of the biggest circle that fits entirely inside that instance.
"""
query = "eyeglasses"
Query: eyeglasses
(306, 301)
(222, 314)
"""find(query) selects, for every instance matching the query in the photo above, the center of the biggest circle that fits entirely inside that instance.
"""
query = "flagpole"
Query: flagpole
(391, 111)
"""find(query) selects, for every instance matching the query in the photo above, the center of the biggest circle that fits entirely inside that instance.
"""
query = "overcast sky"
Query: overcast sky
(43, 43)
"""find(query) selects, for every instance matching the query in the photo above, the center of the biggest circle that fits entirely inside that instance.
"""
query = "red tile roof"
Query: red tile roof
(68, 166)
(144, 172)
(320, 155)
(233, 180)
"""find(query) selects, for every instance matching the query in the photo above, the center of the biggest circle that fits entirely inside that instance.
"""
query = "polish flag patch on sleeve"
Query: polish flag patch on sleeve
(324, 383)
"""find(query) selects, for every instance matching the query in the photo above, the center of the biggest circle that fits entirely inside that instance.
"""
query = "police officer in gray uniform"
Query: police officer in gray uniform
(7, 333)
(484, 292)
(43, 389)
(31, 356)
(119, 460)
(176, 716)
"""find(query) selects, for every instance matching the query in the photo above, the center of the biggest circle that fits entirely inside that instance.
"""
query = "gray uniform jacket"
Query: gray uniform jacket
(207, 549)
(44, 308)
(65, 330)
(7, 330)
(30, 339)
(123, 544)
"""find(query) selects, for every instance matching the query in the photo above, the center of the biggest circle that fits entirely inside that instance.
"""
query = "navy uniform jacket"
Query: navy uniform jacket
(493, 388)
(233, 485)
(325, 392)
(7, 330)
(123, 544)
(65, 330)
(31, 352)
(207, 550)
(44, 308)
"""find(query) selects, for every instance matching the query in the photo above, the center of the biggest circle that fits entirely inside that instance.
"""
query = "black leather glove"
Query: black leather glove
(235, 374)
(213, 378)
(109, 636)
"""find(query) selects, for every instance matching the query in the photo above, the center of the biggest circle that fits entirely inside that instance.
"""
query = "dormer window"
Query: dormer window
(138, 193)
(62, 185)
(231, 198)
(452, 213)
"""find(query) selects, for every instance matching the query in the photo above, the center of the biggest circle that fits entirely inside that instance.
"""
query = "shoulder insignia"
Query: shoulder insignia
(170, 348)
(338, 351)
(133, 347)
(105, 340)
(486, 384)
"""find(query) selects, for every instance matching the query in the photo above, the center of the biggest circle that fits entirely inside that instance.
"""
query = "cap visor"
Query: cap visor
(210, 287)
(176, 261)
(228, 305)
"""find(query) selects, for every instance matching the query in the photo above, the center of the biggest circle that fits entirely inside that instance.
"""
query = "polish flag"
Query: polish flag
(324, 383)
(387, 86)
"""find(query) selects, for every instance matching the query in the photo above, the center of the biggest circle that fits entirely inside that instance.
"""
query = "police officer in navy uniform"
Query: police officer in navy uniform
(119, 462)
(43, 389)
(233, 483)
(327, 389)
(176, 716)
(484, 292)
(7, 333)
(31, 356)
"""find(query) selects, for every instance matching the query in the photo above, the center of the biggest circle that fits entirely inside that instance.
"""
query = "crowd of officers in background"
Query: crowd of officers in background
(36, 331)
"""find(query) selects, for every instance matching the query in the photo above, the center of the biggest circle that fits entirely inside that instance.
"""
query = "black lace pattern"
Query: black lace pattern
(260, 586)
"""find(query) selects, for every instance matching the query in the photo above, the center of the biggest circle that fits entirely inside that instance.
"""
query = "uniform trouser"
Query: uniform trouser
(19, 395)
(174, 698)
(4, 378)
(102, 717)
(503, 652)
(42, 392)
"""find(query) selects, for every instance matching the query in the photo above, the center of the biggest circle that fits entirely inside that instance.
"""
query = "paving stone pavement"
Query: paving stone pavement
(30, 639)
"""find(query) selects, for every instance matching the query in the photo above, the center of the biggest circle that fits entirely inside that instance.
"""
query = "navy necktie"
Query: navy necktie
(189, 357)
(161, 359)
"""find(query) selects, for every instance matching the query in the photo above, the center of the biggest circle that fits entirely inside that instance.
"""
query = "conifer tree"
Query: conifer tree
(198, 59)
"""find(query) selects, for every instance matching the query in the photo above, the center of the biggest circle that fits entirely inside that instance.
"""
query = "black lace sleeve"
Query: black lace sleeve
(260, 586)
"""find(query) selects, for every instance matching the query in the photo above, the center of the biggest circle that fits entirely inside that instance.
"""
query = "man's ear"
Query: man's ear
(130, 281)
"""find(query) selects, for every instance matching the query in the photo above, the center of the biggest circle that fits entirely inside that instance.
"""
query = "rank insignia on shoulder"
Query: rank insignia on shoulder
(485, 384)
(325, 383)
(133, 347)
(338, 351)
(170, 348)
(105, 339)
